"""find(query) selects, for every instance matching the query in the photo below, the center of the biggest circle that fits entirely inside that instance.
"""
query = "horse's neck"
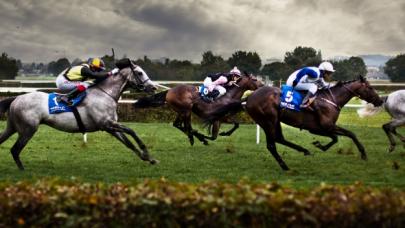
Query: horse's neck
(340, 94)
(112, 86)
(236, 92)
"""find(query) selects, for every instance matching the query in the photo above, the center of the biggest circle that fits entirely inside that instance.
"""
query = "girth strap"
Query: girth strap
(79, 121)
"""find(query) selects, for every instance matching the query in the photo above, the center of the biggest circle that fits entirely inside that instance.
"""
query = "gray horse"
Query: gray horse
(98, 112)
(394, 104)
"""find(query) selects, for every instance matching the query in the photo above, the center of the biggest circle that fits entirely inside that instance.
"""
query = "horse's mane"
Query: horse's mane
(123, 63)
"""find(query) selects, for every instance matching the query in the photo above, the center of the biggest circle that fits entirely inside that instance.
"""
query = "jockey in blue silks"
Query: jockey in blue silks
(310, 79)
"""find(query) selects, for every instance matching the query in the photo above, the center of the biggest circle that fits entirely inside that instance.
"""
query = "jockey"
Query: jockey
(310, 79)
(215, 82)
(77, 79)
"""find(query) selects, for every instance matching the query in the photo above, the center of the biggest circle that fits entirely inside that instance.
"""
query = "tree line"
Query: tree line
(173, 69)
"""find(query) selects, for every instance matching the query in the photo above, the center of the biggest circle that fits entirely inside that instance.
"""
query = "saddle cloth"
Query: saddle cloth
(59, 107)
(290, 98)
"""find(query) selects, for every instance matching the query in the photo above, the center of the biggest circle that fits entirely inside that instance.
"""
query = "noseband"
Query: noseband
(140, 85)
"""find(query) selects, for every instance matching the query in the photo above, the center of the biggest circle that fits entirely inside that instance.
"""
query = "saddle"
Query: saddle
(291, 98)
(205, 94)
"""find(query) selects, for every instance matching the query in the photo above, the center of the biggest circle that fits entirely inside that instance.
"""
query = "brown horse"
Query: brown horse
(185, 99)
(263, 107)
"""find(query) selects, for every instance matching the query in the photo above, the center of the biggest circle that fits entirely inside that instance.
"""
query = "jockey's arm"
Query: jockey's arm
(305, 71)
(86, 72)
(221, 80)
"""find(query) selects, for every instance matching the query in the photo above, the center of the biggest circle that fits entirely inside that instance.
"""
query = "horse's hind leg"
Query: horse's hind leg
(184, 126)
(19, 146)
(9, 131)
(270, 131)
(280, 139)
(390, 128)
(341, 131)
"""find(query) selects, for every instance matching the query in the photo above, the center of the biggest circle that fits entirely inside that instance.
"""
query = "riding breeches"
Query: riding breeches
(311, 87)
(212, 86)
(66, 86)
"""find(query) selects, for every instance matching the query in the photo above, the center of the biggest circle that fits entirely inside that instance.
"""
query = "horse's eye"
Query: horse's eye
(139, 73)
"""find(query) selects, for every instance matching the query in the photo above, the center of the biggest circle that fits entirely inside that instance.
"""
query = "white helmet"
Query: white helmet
(236, 71)
(326, 66)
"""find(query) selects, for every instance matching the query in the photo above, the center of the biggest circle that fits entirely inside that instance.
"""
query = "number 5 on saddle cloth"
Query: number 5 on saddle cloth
(290, 98)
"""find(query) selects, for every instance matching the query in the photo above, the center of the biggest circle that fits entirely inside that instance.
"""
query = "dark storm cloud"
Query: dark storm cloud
(184, 29)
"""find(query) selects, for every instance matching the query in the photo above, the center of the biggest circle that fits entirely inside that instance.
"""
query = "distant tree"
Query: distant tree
(108, 61)
(76, 62)
(57, 67)
(277, 71)
(211, 63)
(303, 56)
(8, 67)
(51, 67)
(395, 68)
(246, 61)
(349, 69)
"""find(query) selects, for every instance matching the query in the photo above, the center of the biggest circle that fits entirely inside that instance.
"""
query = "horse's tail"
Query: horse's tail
(370, 109)
(228, 109)
(155, 100)
(5, 104)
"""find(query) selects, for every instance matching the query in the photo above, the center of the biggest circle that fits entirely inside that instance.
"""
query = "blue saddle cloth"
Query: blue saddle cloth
(290, 98)
(59, 107)
(203, 90)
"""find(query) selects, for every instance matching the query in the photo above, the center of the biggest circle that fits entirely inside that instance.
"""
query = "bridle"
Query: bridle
(139, 85)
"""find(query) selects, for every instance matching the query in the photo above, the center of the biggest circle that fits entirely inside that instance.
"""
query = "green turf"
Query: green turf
(52, 153)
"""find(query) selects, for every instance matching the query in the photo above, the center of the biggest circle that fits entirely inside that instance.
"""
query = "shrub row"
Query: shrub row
(167, 204)
(126, 113)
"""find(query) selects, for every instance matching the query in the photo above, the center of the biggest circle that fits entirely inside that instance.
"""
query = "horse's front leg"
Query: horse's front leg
(341, 131)
(117, 129)
(228, 133)
(326, 134)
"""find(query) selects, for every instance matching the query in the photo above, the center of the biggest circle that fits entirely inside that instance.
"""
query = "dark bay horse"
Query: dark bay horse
(185, 99)
(263, 107)
(98, 112)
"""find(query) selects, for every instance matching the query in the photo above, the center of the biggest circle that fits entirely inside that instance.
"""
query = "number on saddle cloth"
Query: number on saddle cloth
(290, 98)
(203, 91)
(59, 107)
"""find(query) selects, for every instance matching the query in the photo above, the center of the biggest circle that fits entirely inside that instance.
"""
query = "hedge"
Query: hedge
(160, 203)
(126, 113)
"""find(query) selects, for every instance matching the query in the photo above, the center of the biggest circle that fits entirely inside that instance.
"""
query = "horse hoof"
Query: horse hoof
(364, 157)
(205, 143)
(392, 148)
(154, 161)
(306, 153)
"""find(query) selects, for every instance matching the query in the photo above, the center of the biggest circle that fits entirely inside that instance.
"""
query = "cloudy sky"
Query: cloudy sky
(44, 30)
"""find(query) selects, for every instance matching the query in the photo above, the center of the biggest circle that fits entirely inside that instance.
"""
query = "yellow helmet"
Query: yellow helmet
(97, 64)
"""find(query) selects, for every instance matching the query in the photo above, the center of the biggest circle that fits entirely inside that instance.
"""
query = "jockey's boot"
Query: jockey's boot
(67, 98)
(308, 99)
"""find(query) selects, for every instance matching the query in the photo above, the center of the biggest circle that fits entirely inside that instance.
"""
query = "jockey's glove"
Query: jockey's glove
(115, 71)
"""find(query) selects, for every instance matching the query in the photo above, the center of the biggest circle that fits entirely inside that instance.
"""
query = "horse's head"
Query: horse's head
(249, 82)
(136, 76)
(365, 92)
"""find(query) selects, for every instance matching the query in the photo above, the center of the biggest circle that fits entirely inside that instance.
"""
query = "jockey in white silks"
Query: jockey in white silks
(215, 82)
(310, 79)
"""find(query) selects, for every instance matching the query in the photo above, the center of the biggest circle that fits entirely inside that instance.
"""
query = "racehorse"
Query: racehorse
(394, 105)
(98, 112)
(263, 107)
(185, 99)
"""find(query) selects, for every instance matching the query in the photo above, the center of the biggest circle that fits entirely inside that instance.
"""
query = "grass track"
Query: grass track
(52, 153)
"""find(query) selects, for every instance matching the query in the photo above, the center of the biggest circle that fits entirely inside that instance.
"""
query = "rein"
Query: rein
(102, 90)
